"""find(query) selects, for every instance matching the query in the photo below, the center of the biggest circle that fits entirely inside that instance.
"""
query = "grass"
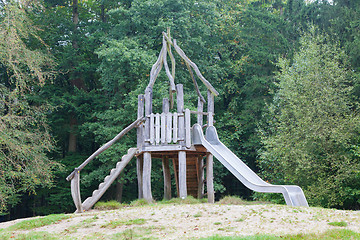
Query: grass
(338, 224)
(117, 223)
(233, 200)
(38, 222)
(110, 205)
(187, 200)
(29, 236)
(343, 234)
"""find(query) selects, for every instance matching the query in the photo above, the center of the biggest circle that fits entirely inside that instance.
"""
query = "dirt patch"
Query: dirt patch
(198, 220)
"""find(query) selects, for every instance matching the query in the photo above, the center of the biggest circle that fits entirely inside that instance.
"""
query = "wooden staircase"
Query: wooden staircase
(97, 194)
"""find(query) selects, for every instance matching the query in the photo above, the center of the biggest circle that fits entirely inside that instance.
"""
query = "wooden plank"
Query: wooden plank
(175, 127)
(176, 177)
(187, 128)
(180, 109)
(152, 129)
(165, 106)
(148, 111)
(210, 178)
(200, 175)
(157, 128)
(140, 114)
(163, 128)
(182, 174)
(200, 117)
(147, 177)
(139, 171)
(210, 108)
(167, 178)
(75, 191)
(168, 127)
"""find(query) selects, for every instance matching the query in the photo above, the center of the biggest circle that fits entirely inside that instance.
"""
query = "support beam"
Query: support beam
(148, 111)
(182, 174)
(200, 174)
(180, 109)
(139, 171)
(167, 178)
(210, 178)
(147, 177)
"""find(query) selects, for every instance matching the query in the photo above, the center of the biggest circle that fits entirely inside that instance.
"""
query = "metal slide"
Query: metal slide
(293, 195)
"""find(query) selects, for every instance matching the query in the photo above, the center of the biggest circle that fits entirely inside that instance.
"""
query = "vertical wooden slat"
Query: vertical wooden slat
(168, 127)
(210, 108)
(147, 177)
(165, 106)
(157, 128)
(200, 117)
(200, 172)
(180, 110)
(139, 170)
(210, 178)
(152, 129)
(167, 178)
(176, 177)
(187, 128)
(175, 127)
(163, 128)
(148, 110)
(182, 174)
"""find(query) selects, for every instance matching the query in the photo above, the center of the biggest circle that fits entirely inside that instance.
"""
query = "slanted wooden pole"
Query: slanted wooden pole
(181, 154)
(210, 158)
(140, 143)
(146, 178)
(165, 160)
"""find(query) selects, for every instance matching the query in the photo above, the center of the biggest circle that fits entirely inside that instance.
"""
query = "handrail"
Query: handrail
(105, 146)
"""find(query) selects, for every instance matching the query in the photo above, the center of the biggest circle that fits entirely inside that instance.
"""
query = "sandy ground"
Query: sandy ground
(197, 220)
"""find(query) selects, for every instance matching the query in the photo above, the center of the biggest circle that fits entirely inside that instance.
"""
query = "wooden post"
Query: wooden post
(165, 160)
(182, 175)
(147, 177)
(140, 143)
(167, 178)
(200, 169)
(200, 109)
(180, 110)
(75, 191)
(148, 110)
(181, 136)
(210, 158)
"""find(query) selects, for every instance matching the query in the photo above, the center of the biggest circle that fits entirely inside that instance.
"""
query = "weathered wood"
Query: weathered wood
(105, 146)
(165, 105)
(172, 65)
(210, 178)
(148, 111)
(200, 175)
(200, 109)
(180, 109)
(175, 127)
(168, 127)
(140, 114)
(195, 83)
(196, 69)
(176, 177)
(139, 171)
(163, 128)
(210, 108)
(182, 174)
(157, 128)
(167, 178)
(187, 129)
(156, 68)
(147, 177)
(152, 129)
(75, 191)
(169, 75)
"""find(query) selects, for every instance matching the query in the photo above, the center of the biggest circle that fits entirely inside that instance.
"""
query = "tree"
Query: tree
(312, 126)
(24, 136)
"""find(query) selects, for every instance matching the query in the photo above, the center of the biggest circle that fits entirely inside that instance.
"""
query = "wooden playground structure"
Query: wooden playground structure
(165, 136)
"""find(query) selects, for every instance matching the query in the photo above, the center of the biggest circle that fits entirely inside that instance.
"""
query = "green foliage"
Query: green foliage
(338, 224)
(312, 125)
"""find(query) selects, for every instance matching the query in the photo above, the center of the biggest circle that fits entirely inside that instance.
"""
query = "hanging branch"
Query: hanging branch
(196, 69)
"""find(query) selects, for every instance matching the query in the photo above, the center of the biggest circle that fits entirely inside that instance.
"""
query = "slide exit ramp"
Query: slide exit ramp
(293, 195)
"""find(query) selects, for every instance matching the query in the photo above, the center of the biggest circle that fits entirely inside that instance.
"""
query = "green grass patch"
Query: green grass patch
(110, 205)
(30, 236)
(38, 222)
(343, 234)
(187, 200)
(136, 233)
(234, 200)
(338, 224)
(197, 215)
(117, 223)
(139, 202)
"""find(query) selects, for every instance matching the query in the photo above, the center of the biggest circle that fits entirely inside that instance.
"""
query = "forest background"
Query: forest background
(70, 72)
